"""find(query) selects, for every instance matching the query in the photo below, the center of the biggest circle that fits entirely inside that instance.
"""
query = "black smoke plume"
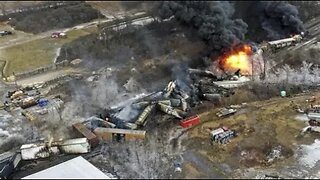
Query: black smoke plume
(269, 20)
(280, 19)
(212, 20)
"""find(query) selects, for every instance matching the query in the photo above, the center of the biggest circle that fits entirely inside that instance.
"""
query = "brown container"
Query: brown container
(83, 130)
(107, 134)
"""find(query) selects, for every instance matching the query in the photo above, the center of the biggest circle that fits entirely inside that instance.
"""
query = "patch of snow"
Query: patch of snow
(311, 154)
(57, 54)
(302, 117)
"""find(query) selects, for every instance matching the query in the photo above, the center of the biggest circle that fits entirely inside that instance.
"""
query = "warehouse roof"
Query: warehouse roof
(77, 168)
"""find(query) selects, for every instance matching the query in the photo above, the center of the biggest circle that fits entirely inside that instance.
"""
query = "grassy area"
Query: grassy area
(113, 6)
(37, 53)
(15, 35)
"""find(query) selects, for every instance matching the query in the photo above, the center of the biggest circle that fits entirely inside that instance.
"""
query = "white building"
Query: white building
(77, 168)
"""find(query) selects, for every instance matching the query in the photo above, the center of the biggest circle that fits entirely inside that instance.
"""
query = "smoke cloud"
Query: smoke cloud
(212, 20)
(215, 24)
(279, 19)
(272, 20)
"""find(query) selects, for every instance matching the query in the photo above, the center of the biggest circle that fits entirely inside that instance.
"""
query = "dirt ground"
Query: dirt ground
(262, 125)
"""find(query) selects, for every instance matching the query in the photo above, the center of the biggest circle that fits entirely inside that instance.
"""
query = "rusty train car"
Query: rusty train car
(84, 131)
(112, 134)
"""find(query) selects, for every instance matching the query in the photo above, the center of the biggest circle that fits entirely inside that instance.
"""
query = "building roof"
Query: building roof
(77, 168)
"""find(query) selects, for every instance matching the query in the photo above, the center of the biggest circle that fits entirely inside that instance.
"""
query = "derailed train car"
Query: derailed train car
(113, 134)
(277, 44)
(47, 149)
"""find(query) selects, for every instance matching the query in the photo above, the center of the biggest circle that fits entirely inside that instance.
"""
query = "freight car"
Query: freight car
(119, 134)
(191, 121)
(84, 131)
(274, 45)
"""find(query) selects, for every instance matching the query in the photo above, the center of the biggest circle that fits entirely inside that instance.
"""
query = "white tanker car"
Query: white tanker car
(274, 45)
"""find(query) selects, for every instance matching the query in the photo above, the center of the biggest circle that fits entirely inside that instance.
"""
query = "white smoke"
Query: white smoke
(127, 113)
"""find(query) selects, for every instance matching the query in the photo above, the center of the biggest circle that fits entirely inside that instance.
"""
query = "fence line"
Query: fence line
(42, 69)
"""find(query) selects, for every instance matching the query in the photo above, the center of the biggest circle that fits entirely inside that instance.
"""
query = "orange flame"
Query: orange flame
(239, 59)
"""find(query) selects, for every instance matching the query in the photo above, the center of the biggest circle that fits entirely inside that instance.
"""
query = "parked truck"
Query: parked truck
(222, 135)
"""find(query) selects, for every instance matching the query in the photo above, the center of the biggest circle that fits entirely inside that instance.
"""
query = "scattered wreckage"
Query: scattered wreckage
(96, 129)
(108, 125)
(312, 113)
(224, 112)
(46, 149)
(175, 100)
(9, 162)
(23, 97)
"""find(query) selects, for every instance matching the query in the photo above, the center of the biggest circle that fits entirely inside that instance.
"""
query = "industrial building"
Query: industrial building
(77, 168)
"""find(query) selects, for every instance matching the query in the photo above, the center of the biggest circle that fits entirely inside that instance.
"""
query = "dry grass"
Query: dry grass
(265, 123)
(192, 172)
(111, 6)
(37, 53)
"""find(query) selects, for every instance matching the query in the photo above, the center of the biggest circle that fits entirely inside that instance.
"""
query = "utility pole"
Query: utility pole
(264, 68)
(66, 53)
(15, 80)
(99, 24)
(252, 69)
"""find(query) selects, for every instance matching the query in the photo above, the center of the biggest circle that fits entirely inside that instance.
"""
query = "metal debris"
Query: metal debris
(47, 149)
(9, 161)
(143, 116)
(169, 110)
(226, 112)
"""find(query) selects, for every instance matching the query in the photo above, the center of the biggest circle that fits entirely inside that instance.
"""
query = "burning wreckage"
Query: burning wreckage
(175, 100)
(108, 124)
